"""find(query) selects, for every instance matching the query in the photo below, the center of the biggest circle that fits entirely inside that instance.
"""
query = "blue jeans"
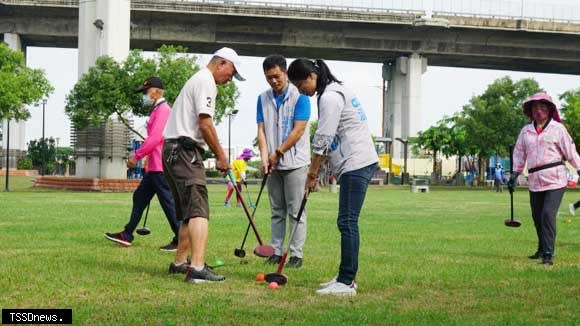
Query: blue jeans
(151, 184)
(353, 189)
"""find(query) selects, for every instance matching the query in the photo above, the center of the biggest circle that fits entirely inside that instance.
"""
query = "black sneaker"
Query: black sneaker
(203, 276)
(119, 238)
(547, 259)
(179, 269)
(537, 255)
(274, 259)
(294, 262)
(170, 247)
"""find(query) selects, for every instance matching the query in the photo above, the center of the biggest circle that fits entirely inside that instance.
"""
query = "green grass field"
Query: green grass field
(437, 258)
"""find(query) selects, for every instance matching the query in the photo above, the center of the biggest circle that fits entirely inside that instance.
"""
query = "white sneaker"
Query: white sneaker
(325, 284)
(339, 289)
(572, 209)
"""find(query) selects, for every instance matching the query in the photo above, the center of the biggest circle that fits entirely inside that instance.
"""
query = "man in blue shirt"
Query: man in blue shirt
(498, 177)
(284, 141)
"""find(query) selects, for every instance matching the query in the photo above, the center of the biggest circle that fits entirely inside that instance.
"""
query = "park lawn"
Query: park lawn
(442, 257)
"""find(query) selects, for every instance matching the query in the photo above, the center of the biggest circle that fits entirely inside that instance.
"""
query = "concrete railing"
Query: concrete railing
(541, 10)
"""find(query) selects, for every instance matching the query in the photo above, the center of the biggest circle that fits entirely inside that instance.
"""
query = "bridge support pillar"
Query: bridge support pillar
(104, 29)
(17, 128)
(402, 108)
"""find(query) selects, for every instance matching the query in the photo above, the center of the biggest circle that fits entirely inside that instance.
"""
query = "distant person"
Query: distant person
(544, 144)
(342, 136)
(282, 116)
(190, 131)
(153, 181)
(239, 167)
(498, 177)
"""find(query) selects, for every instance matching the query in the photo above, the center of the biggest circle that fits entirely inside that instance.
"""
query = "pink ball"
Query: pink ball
(273, 285)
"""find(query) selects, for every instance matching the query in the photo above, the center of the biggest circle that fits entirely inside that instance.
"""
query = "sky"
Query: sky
(444, 91)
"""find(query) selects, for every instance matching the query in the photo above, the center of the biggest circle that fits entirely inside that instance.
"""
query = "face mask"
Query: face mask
(146, 100)
(540, 115)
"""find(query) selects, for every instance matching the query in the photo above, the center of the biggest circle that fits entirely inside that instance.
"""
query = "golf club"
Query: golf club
(249, 198)
(145, 230)
(278, 277)
(511, 222)
(240, 252)
(261, 250)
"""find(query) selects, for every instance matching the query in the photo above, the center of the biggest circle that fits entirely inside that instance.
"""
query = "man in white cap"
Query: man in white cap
(188, 134)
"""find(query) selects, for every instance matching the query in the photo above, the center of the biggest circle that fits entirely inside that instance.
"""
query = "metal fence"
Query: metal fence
(543, 10)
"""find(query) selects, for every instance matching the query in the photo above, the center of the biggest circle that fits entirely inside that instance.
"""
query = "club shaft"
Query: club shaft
(248, 215)
(146, 214)
(255, 208)
(298, 218)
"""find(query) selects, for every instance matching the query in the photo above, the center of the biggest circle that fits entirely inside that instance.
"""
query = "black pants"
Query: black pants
(152, 183)
(498, 185)
(545, 206)
(577, 205)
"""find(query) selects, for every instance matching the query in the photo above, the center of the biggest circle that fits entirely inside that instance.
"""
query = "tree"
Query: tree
(107, 89)
(571, 114)
(457, 144)
(42, 153)
(492, 121)
(19, 85)
(313, 127)
(434, 140)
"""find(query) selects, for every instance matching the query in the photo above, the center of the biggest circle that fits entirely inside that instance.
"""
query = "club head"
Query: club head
(143, 231)
(512, 223)
(240, 253)
(279, 278)
(264, 251)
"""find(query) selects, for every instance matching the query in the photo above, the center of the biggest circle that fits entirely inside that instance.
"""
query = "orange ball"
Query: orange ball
(260, 277)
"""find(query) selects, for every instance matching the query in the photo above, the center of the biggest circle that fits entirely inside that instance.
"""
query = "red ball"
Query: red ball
(260, 277)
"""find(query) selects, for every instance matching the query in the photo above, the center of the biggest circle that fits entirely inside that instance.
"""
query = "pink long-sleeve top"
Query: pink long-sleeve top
(153, 145)
(553, 144)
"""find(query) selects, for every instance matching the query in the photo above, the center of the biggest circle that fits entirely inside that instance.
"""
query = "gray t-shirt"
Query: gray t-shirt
(343, 133)
(196, 97)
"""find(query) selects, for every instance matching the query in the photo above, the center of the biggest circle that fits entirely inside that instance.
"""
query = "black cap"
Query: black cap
(148, 83)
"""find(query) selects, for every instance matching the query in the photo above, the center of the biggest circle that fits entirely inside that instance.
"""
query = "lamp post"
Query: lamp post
(230, 116)
(43, 154)
(7, 133)
(405, 143)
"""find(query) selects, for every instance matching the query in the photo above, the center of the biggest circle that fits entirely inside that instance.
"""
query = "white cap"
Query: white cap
(231, 56)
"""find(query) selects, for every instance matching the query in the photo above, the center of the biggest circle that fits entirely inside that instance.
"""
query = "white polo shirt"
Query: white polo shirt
(196, 97)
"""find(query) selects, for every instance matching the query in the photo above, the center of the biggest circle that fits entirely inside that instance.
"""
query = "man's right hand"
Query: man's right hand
(221, 163)
(265, 167)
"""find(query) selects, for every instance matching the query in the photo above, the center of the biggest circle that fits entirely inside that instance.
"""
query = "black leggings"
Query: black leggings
(577, 205)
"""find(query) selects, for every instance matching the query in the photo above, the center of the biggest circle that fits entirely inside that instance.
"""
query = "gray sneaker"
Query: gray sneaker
(203, 276)
(294, 262)
(178, 269)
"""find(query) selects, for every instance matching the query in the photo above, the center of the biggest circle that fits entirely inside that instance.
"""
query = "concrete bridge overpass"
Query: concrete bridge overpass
(371, 36)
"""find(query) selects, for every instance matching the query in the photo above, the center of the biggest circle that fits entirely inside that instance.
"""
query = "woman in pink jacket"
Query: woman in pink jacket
(544, 144)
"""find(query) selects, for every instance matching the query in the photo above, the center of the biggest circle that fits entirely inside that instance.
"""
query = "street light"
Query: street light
(7, 133)
(230, 115)
(43, 154)
(405, 143)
